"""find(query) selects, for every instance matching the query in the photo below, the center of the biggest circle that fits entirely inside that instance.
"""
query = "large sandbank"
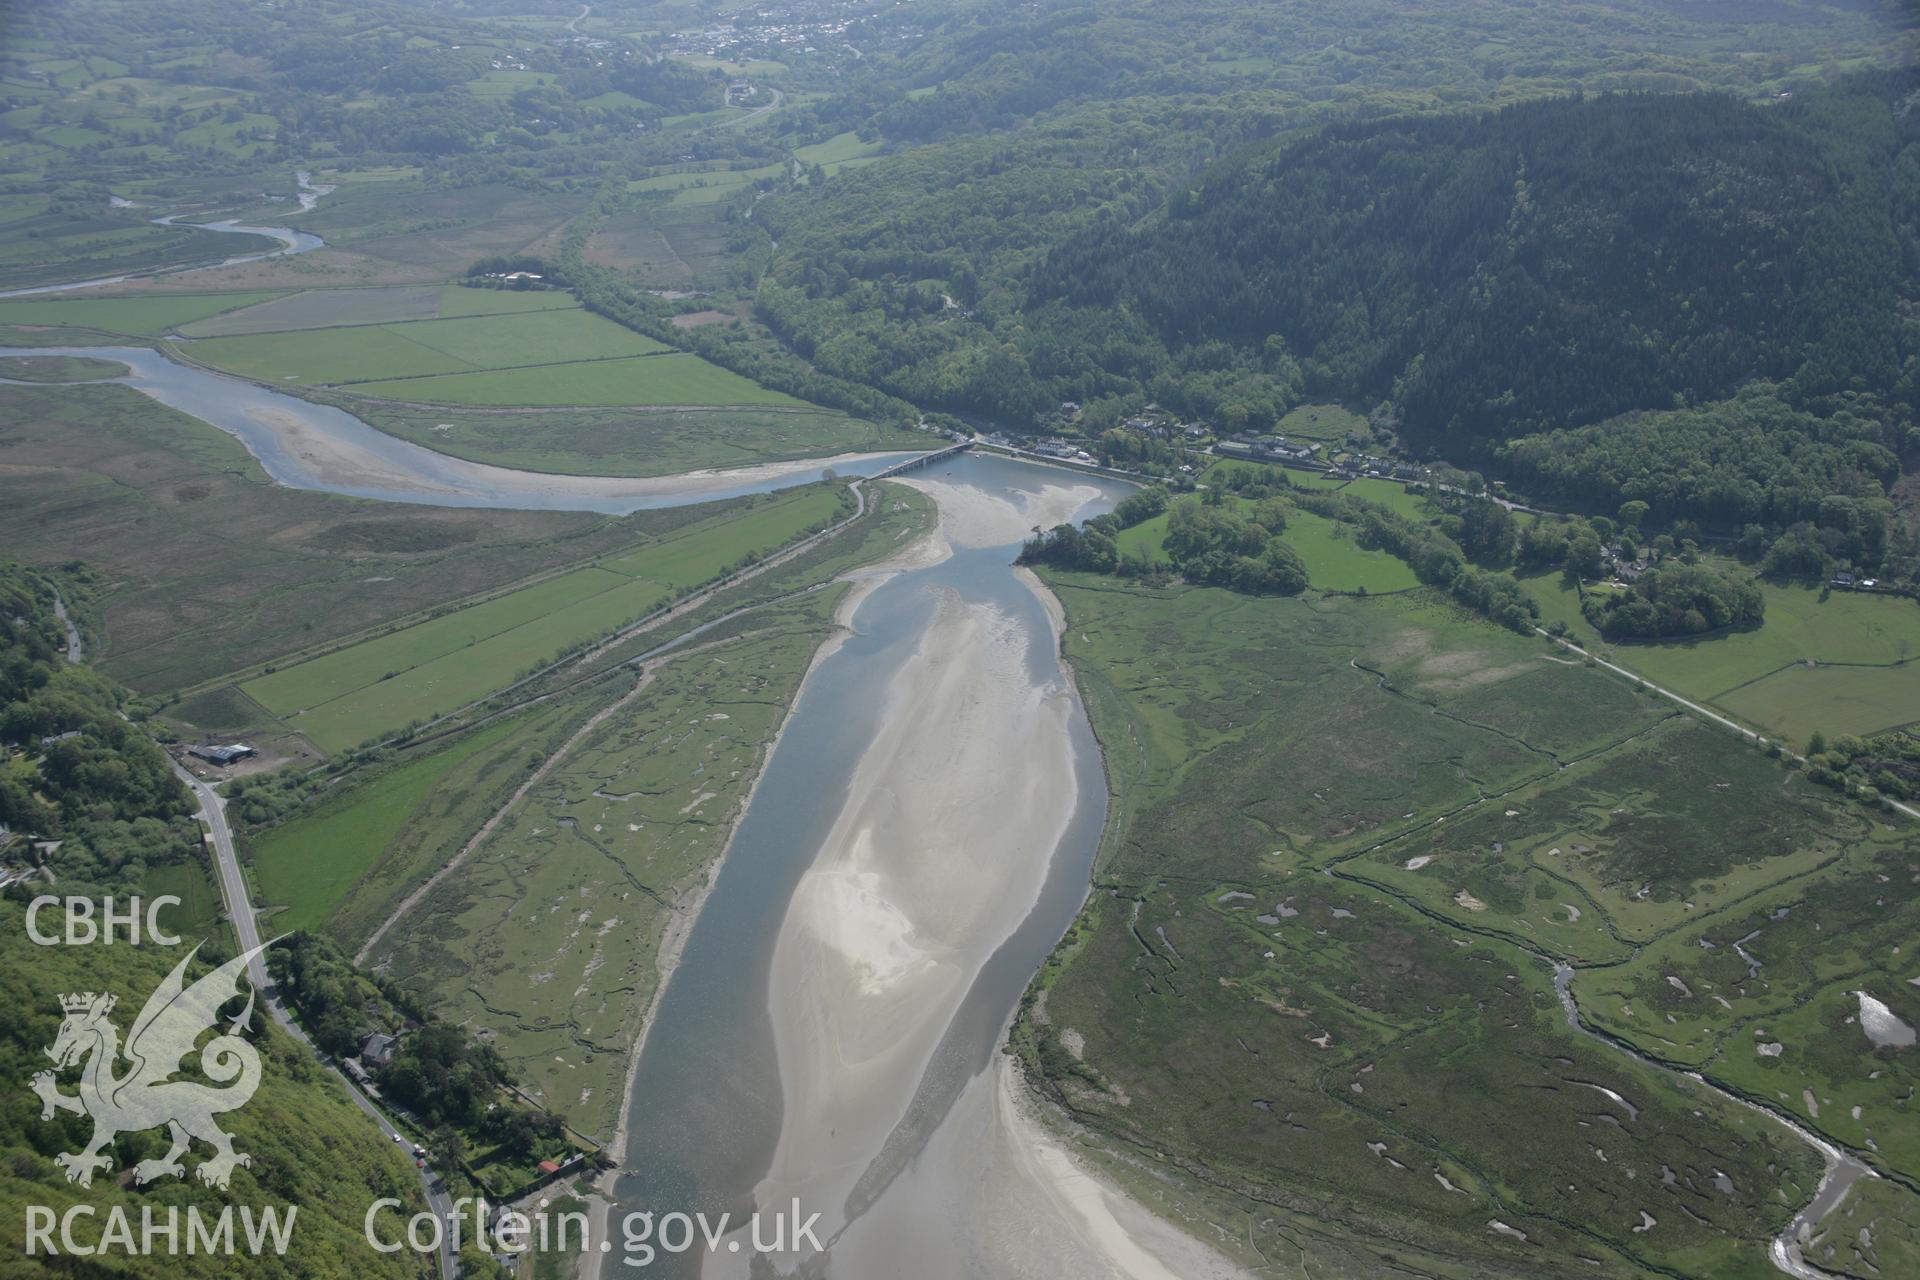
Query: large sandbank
(941, 847)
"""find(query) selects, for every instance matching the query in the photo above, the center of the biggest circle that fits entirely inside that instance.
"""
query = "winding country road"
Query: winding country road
(76, 648)
(246, 928)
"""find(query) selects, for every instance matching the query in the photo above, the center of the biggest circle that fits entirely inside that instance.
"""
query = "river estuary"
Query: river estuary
(919, 840)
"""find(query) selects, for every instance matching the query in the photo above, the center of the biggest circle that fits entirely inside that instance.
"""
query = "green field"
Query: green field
(1335, 562)
(1832, 661)
(387, 304)
(1145, 538)
(1389, 494)
(1802, 624)
(646, 442)
(370, 353)
(142, 315)
(837, 152)
(317, 680)
(505, 341)
(459, 300)
(310, 866)
(1833, 700)
(322, 356)
(676, 379)
(504, 83)
(1328, 423)
(200, 914)
(707, 187)
(432, 667)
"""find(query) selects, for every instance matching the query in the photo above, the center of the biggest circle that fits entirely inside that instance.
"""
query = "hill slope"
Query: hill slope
(1548, 265)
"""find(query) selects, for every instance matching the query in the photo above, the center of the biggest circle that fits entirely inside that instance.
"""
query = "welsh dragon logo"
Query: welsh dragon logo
(145, 1097)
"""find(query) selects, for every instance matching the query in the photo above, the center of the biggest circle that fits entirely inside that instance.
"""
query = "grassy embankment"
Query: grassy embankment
(59, 368)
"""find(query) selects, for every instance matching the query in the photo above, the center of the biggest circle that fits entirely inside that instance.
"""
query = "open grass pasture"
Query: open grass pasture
(1802, 624)
(630, 442)
(709, 186)
(200, 913)
(1832, 700)
(1336, 562)
(352, 354)
(375, 687)
(323, 308)
(1827, 661)
(1326, 423)
(307, 867)
(140, 315)
(837, 152)
(673, 379)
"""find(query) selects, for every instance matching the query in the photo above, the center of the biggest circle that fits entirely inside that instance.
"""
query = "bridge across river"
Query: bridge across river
(924, 460)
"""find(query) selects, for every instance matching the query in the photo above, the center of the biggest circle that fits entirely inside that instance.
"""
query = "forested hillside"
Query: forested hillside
(1548, 265)
(76, 772)
(1485, 276)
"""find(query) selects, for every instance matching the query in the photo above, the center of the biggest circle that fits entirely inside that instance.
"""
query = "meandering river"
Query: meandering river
(291, 241)
(314, 446)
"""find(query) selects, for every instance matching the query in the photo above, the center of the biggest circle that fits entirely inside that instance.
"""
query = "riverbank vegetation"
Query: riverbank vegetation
(1357, 963)
(208, 568)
